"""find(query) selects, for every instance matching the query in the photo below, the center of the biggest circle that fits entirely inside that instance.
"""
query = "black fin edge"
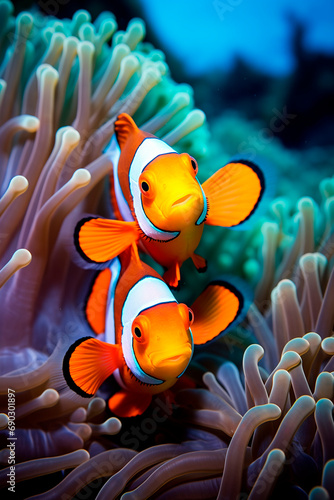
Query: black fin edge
(66, 369)
(261, 177)
(76, 240)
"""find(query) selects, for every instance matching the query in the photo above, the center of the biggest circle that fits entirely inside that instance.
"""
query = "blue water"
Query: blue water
(210, 34)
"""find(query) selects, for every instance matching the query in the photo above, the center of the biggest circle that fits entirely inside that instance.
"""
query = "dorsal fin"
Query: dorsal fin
(124, 127)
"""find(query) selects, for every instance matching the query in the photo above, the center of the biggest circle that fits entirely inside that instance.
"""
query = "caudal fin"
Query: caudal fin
(220, 306)
(87, 364)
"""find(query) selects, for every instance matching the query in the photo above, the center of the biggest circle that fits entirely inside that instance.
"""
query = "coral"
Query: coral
(263, 429)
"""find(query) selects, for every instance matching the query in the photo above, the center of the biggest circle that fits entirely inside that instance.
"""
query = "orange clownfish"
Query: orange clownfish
(159, 202)
(148, 336)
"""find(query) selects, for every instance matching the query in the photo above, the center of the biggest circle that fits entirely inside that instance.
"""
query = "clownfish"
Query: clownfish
(148, 337)
(160, 203)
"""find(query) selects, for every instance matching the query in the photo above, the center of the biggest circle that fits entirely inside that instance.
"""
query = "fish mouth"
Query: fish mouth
(175, 358)
(182, 201)
(160, 359)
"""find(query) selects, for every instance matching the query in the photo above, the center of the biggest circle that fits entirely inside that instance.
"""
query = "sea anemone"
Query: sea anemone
(256, 419)
(63, 86)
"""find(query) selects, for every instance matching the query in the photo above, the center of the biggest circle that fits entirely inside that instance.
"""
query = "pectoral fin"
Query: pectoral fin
(233, 193)
(100, 240)
(219, 306)
(129, 404)
(87, 364)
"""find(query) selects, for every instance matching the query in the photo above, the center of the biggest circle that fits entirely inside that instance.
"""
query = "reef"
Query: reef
(256, 420)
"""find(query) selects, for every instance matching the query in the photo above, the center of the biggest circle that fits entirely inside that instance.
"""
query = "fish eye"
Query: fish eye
(145, 187)
(194, 165)
(137, 332)
(191, 317)
(146, 184)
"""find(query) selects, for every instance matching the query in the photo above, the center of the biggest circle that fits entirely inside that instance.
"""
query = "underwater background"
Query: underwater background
(215, 79)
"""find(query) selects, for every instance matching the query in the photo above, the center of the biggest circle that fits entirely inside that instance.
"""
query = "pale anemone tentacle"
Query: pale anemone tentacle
(319, 493)
(263, 334)
(193, 490)
(14, 66)
(33, 468)
(327, 477)
(85, 54)
(231, 481)
(67, 139)
(309, 264)
(179, 101)
(100, 138)
(324, 420)
(17, 186)
(70, 49)
(103, 465)
(253, 379)
(21, 258)
(128, 66)
(31, 379)
(47, 399)
(3, 421)
(229, 376)
(198, 462)
(38, 244)
(48, 77)
(95, 407)
(79, 415)
(280, 389)
(149, 79)
(270, 237)
(7, 132)
(110, 426)
(107, 81)
(139, 463)
(219, 413)
(193, 121)
(50, 58)
(268, 475)
(324, 386)
(314, 342)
